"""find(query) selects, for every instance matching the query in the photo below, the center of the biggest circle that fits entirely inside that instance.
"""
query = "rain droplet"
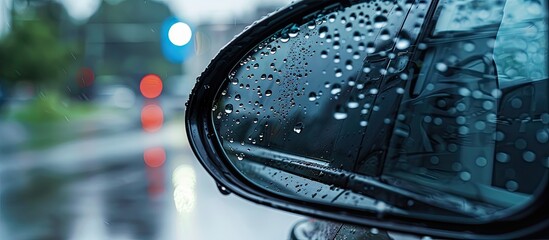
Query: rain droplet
(311, 25)
(349, 65)
(322, 31)
(542, 136)
(502, 157)
(298, 127)
(511, 185)
(294, 31)
(441, 67)
(384, 35)
(229, 108)
(465, 176)
(352, 104)
(268, 93)
(312, 96)
(284, 37)
(370, 47)
(338, 73)
(529, 156)
(380, 21)
(340, 113)
(481, 161)
(324, 54)
(336, 88)
(403, 41)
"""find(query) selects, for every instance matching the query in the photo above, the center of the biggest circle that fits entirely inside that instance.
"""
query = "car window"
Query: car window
(396, 106)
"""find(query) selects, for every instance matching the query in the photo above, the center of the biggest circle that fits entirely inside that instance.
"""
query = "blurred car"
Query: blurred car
(425, 117)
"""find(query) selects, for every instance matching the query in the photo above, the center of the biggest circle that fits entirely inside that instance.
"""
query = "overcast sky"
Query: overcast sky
(191, 10)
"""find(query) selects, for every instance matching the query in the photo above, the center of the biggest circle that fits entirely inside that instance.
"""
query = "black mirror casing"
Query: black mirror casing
(529, 223)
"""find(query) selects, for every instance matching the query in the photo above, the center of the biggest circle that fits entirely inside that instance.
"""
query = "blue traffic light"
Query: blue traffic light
(176, 40)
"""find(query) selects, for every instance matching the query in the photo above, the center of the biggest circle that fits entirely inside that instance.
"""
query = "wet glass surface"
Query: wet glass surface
(92, 138)
(392, 107)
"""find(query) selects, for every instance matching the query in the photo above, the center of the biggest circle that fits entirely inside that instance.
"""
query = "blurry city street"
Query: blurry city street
(92, 135)
(124, 184)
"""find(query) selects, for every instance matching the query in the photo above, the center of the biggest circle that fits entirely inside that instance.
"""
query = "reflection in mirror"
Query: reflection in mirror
(403, 107)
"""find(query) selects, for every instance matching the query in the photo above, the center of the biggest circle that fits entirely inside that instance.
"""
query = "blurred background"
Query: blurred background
(92, 137)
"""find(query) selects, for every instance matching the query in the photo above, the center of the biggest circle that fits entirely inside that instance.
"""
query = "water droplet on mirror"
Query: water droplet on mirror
(312, 96)
(464, 92)
(465, 176)
(340, 113)
(502, 157)
(294, 31)
(338, 73)
(349, 27)
(324, 54)
(284, 37)
(380, 21)
(402, 43)
(322, 31)
(336, 88)
(529, 156)
(469, 46)
(441, 67)
(542, 136)
(229, 108)
(511, 185)
(352, 104)
(481, 161)
(370, 47)
(337, 59)
(381, 206)
(349, 65)
(385, 35)
(356, 36)
(298, 127)
(311, 25)
(336, 45)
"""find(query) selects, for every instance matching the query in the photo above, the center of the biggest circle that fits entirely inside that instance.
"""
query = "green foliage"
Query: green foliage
(32, 52)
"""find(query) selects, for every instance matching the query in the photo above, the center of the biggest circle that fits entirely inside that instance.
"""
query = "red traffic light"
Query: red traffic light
(151, 86)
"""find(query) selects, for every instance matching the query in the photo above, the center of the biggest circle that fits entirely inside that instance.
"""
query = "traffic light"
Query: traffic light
(177, 40)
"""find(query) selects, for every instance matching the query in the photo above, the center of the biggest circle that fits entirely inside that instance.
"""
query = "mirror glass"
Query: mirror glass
(438, 111)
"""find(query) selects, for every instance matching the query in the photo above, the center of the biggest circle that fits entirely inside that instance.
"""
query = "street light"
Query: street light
(177, 40)
(180, 34)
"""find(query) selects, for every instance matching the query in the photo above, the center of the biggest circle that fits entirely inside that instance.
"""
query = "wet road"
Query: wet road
(129, 185)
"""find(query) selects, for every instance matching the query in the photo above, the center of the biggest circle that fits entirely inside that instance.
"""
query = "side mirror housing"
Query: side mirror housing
(420, 116)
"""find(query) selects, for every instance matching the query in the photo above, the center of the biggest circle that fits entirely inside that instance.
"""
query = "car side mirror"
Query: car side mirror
(418, 116)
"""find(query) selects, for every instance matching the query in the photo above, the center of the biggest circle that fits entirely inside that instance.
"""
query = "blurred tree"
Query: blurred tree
(32, 52)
